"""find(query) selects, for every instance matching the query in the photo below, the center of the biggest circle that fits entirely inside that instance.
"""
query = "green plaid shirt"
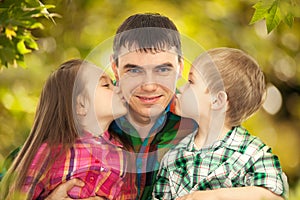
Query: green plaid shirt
(238, 160)
(168, 130)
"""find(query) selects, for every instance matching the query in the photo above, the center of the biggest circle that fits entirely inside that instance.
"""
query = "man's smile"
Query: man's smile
(149, 99)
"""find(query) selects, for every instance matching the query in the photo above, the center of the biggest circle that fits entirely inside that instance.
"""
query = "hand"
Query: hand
(61, 192)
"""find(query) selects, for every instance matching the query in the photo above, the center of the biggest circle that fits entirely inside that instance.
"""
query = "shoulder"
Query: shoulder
(243, 142)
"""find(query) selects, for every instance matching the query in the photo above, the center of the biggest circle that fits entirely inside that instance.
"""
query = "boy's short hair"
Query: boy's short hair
(149, 32)
(241, 77)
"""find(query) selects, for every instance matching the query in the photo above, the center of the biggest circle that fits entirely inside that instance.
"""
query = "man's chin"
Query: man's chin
(148, 113)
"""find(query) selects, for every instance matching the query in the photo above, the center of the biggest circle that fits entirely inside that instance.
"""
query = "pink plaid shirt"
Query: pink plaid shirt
(99, 161)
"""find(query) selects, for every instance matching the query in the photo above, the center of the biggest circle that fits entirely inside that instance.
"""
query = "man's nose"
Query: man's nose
(149, 82)
(149, 86)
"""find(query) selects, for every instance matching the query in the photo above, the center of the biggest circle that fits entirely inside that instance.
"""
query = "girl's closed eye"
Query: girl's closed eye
(106, 82)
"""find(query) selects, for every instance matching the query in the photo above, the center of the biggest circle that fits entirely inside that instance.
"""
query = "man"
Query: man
(147, 62)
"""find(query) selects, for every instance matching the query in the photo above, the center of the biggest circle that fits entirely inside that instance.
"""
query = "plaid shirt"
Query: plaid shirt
(238, 160)
(168, 130)
(99, 161)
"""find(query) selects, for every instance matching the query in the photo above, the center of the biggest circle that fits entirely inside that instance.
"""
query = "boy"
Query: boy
(228, 87)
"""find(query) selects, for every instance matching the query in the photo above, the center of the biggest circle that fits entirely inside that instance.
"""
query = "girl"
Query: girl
(68, 139)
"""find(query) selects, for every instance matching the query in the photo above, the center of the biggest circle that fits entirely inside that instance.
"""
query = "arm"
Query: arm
(60, 193)
(238, 193)
(266, 182)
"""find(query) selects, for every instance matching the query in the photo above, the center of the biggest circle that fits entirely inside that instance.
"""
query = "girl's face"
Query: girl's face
(108, 102)
(99, 103)
(195, 100)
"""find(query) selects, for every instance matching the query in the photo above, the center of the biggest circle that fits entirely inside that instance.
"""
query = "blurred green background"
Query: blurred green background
(85, 25)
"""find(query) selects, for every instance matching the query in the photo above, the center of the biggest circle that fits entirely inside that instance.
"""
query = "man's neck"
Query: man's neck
(142, 124)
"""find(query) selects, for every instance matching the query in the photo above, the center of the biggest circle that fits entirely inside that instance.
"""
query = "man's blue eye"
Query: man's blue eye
(134, 70)
(163, 69)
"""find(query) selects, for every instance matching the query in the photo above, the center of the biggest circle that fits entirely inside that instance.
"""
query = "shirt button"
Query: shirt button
(92, 179)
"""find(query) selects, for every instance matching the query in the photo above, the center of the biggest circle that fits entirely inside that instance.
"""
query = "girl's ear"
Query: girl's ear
(219, 101)
(82, 105)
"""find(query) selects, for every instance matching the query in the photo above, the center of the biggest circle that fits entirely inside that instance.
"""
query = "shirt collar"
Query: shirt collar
(109, 139)
(235, 137)
(105, 136)
(232, 140)
(124, 124)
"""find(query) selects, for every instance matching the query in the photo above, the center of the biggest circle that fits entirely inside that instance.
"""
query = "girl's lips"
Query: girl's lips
(149, 99)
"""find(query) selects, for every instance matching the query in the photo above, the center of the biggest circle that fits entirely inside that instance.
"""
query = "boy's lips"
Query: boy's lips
(147, 99)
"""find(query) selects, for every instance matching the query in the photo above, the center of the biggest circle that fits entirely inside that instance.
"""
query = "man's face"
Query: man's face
(148, 81)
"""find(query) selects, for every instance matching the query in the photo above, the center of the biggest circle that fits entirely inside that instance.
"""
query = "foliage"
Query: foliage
(17, 19)
(275, 11)
(87, 24)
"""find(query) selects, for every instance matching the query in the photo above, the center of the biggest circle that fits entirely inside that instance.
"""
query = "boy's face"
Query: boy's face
(148, 81)
(195, 99)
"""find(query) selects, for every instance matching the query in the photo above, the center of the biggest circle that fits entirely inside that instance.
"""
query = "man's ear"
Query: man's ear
(82, 105)
(181, 65)
(114, 67)
(219, 101)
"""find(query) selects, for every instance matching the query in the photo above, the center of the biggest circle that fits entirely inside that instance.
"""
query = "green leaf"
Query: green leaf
(273, 17)
(261, 11)
(7, 55)
(29, 42)
(22, 48)
(21, 63)
(36, 25)
(289, 19)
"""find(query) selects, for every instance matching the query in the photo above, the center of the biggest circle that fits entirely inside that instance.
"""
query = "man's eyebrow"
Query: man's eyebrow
(167, 64)
(130, 66)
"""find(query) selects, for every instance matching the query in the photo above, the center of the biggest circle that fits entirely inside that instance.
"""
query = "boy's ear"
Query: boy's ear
(219, 101)
(114, 67)
(82, 105)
